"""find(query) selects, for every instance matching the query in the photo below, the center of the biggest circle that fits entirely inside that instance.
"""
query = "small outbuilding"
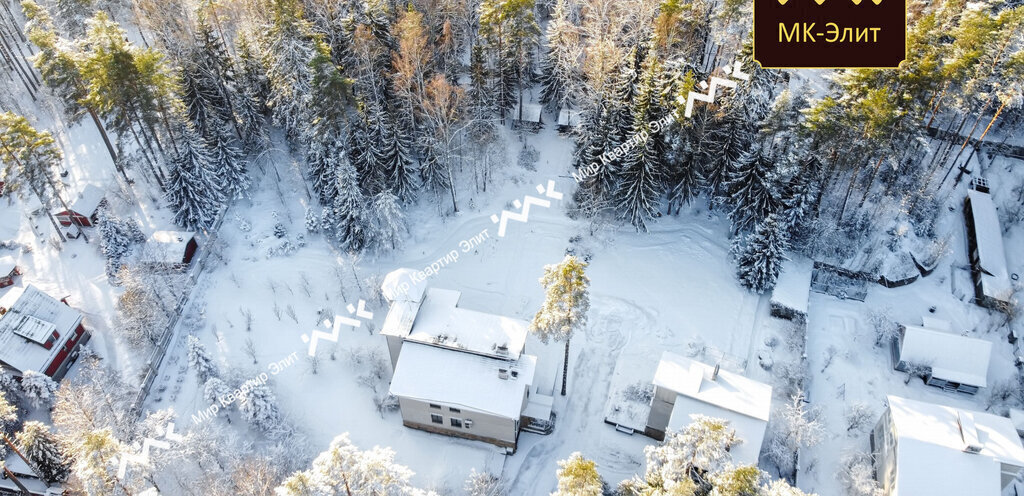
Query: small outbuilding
(84, 209)
(792, 289)
(947, 360)
(8, 271)
(527, 116)
(992, 285)
(170, 249)
(568, 119)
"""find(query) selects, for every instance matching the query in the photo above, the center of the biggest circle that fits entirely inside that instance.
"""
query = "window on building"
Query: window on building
(437, 419)
(469, 423)
(435, 406)
(454, 410)
(456, 422)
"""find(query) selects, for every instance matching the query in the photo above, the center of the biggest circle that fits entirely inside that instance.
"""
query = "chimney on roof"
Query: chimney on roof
(968, 432)
(714, 374)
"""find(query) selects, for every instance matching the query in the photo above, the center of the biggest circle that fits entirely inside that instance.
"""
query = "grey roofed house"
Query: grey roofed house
(567, 118)
(989, 271)
(527, 116)
(929, 449)
(954, 362)
(457, 371)
(38, 332)
(686, 388)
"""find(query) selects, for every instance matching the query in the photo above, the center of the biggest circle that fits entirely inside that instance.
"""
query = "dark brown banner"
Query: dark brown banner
(827, 34)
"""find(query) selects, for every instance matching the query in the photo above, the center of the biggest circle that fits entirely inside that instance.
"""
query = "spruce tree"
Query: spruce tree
(195, 190)
(40, 446)
(388, 221)
(394, 159)
(761, 258)
(347, 218)
(560, 73)
(199, 359)
(643, 167)
(228, 163)
(287, 50)
(751, 189)
(116, 239)
(510, 33)
(728, 138)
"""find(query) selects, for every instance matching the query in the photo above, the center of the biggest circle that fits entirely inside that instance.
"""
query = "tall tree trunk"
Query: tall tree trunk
(106, 142)
(871, 181)
(849, 190)
(565, 367)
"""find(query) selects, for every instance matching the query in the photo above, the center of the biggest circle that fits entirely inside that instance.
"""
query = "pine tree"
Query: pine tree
(566, 302)
(40, 446)
(751, 190)
(760, 260)
(287, 50)
(510, 33)
(345, 469)
(324, 135)
(195, 189)
(577, 476)
(228, 163)
(30, 158)
(347, 219)
(258, 406)
(38, 388)
(200, 360)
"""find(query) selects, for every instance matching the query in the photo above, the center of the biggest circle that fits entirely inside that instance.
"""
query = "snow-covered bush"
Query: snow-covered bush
(858, 475)
(280, 230)
(528, 156)
(38, 388)
(483, 484)
(215, 389)
(200, 360)
(859, 416)
(259, 407)
(312, 221)
(882, 323)
(640, 391)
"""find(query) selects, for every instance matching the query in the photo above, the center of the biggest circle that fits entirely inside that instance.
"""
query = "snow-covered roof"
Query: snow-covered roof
(88, 200)
(432, 374)
(1017, 417)
(403, 285)
(7, 265)
(952, 357)
(531, 112)
(793, 287)
(440, 322)
(167, 246)
(745, 403)
(568, 117)
(25, 474)
(31, 316)
(930, 449)
(995, 278)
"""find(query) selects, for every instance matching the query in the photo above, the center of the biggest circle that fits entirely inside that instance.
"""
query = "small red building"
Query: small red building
(84, 210)
(38, 332)
(8, 269)
(170, 249)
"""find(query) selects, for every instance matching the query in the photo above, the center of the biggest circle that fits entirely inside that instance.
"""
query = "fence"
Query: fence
(156, 358)
(838, 282)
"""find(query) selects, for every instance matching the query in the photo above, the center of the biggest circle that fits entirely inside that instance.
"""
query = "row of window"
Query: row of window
(450, 409)
(455, 422)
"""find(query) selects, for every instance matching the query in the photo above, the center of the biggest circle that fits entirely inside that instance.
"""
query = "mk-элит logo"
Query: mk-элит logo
(827, 34)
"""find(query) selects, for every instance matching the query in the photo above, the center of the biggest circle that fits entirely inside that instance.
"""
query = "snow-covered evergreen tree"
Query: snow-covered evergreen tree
(38, 388)
(117, 238)
(286, 50)
(701, 447)
(258, 406)
(761, 258)
(560, 73)
(348, 218)
(728, 138)
(566, 302)
(392, 155)
(216, 389)
(200, 361)
(389, 225)
(752, 191)
(195, 190)
(40, 446)
(313, 221)
(228, 163)
(799, 197)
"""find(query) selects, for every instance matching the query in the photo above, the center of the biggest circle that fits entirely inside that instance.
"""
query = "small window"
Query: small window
(437, 419)
(435, 406)
(456, 422)
(454, 410)
(515, 373)
(469, 423)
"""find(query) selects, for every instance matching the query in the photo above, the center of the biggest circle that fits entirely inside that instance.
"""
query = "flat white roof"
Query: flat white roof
(167, 246)
(952, 357)
(929, 449)
(33, 312)
(531, 112)
(432, 374)
(793, 288)
(995, 278)
(403, 285)
(440, 322)
(729, 391)
(568, 117)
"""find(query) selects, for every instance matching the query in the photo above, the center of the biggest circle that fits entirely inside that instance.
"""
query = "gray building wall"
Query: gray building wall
(487, 427)
(661, 411)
